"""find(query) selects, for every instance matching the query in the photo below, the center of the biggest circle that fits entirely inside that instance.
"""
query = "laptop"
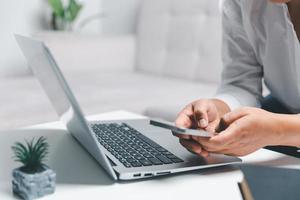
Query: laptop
(127, 149)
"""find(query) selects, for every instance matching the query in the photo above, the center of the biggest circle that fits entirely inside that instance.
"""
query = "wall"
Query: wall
(30, 16)
(16, 17)
(120, 16)
(27, 17)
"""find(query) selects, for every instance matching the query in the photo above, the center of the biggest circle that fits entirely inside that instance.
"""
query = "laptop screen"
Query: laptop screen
(57, 89)
(54, 84)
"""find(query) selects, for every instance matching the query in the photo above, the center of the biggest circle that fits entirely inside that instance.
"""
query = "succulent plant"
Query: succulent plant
(31, 155)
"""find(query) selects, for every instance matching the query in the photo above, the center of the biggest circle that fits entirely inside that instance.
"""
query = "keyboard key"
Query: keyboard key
(134, 154)
(155, 153)
(148, 155)
(160, 149)
(148, 141)
(171, 156)
(126, 147)
(124, 154)
(127, 165)
(164, 159)
(121, 152)
(139, 157)
(152, 151)
(143, 152)
(145, 162)
(136, 164)
(126, 157)
(167, 153)
(155, 161)
(130, 151)
(177, 160)
(131, 160)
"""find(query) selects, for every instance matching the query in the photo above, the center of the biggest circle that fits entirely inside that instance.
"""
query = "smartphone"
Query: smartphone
(179, 130)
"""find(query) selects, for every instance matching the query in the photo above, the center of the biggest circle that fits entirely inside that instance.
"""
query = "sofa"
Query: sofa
(173, 58)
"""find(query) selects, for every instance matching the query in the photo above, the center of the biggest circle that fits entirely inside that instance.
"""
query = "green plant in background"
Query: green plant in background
(31, 155)
(63, 17)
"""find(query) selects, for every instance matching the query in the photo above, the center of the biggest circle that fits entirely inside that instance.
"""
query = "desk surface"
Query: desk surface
(80, 177)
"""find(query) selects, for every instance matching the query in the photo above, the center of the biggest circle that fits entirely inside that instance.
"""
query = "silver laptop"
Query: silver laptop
(127, 149)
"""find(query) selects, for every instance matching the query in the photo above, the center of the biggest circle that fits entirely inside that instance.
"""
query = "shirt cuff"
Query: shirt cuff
(230, 100)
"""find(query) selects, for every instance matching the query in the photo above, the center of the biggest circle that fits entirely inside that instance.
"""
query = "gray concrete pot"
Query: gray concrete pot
(32, 186)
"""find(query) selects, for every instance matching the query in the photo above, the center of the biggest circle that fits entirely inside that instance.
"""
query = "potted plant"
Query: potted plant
(63, 17)
(33, 179)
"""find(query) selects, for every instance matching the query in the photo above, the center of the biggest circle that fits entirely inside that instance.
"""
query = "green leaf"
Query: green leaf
(19, 148)
(72, 10)
(32, 154)
(57, 7)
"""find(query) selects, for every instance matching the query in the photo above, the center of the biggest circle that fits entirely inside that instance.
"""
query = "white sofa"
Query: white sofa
(173, 58)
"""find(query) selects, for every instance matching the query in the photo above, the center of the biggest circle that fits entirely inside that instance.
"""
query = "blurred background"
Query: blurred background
(146, 56)
(33, 16)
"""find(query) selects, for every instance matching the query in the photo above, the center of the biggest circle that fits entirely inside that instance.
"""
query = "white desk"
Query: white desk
(80, 177)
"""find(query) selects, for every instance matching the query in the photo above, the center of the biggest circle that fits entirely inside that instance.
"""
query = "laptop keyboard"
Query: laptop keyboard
(130, 147)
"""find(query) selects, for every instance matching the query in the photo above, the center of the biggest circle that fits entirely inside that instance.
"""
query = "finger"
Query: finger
(224, 152)
(230, 117)
(212, 127)
(184, 117)
(221, 141)
(221, 126)
(204, 153)
(200, 114)
(183, 121)
(191, 145)
(228, 136)
(230, 148)
(207, 145)
(234, 152)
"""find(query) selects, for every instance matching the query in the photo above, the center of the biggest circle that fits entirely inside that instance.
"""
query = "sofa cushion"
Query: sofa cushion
(97, 92)
(180, 39)
(81, 52)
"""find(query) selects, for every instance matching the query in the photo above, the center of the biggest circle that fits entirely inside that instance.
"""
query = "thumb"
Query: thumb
(201, 118)
(231, 117)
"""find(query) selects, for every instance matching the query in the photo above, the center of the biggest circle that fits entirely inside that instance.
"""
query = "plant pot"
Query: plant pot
(59, 24)
(32, 186)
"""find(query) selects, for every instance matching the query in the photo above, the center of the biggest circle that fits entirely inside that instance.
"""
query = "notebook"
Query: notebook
(263, 183)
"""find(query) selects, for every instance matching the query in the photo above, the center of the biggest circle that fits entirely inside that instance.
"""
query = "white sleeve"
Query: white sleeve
(242, 74)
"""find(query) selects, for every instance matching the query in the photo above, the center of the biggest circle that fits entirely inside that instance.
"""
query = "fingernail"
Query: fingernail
(205, 155)
(203, 123)
(198, 151)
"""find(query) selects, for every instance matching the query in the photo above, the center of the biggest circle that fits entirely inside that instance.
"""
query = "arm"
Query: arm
(241, 86)
(289, 127)
(242, 74)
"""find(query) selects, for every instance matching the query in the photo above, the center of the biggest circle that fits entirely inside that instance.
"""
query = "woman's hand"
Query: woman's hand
(249, 129)
(202, 114)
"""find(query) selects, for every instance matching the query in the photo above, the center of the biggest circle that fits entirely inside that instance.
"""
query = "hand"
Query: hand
(249, 129)
(202, 114)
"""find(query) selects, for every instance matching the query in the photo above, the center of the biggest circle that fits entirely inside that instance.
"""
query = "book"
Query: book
(264, 183)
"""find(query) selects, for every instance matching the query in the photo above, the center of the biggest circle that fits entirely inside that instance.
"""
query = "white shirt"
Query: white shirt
(259, 42)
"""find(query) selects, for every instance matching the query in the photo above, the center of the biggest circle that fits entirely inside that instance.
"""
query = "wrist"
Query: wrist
(288, 129)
